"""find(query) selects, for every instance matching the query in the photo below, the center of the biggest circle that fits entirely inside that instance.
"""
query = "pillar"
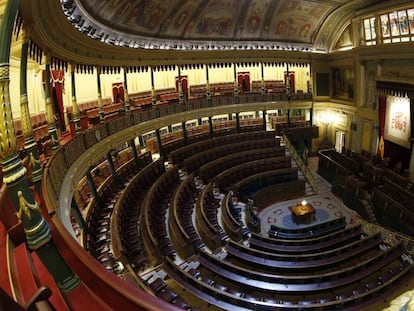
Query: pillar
(185, 137)
(208, 91)
(50, 113)
(236, 84)
(75, 108)
(288, 83)
(159, 143)
(210, 123)
(264, 120)
(180, 87)
(135, 153)
(127, 104)
(100, 102)
(91, 183)
(141, 141)
(78, 215)
(30, 144)
(111, 166)
(153, 95)
(288, 117)
(237, 122)
(92, 188)
(37, 230)
(263, 83)
(311, 91)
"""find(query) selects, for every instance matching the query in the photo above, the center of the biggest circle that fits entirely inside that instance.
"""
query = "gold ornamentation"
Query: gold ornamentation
(26, 123)
(4, 71)
(49, 111)
(54, 140)
(25, 207)
(8, 144)
(27, 31)
(33, 161)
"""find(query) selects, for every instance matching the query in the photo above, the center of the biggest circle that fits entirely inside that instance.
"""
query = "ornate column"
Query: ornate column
(288, 83)
(264, 120)
(236, 85)
(180, 87)
(100, 102)
(237, 122)
(208, 91)
(184, 128)
(75, 108)
(92, 188)
(78, 215)
(378, 30)
(112, 168)
(30, 144)
(141, 141)
(159, 142)
(153, 95)
(263, 83)
(210, 123)
(311, 91)
(135, 153)
(127, 104)
(37, 230)
(50, 113)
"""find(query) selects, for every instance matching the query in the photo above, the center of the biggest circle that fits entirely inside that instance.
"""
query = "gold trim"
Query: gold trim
(25, 207)
(35, 228)
(17, 175)
(12, 285)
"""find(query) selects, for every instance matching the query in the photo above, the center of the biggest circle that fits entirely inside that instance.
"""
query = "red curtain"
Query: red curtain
(243, 80)
(57, 87)
(184, 84)
(382, 107)
(118, 92)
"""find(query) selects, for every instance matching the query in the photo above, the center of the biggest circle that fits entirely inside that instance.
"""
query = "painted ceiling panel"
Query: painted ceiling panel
(128, 22)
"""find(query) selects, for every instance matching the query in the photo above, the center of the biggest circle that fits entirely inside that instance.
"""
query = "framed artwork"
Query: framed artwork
(397, 127)
(343, 83)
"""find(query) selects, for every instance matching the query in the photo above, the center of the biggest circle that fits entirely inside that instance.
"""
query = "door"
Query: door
(118, 92)
(184, 84)
(339, 140)
(243, 80)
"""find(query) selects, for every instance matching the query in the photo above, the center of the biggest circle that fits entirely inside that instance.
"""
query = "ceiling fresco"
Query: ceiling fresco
(276, 20)
(128, 22)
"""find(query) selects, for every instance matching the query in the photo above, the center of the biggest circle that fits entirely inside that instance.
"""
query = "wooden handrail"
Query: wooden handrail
(303, 167)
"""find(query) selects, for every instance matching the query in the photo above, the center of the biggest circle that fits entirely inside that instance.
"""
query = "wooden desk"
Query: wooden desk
(303, 213)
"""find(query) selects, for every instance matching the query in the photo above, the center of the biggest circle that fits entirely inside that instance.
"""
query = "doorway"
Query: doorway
(243, 80)
(339, 140)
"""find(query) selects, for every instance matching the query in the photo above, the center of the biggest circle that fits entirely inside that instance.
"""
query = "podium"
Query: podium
(303, 213)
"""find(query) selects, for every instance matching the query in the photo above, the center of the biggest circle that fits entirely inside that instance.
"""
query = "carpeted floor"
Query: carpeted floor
(327, 206)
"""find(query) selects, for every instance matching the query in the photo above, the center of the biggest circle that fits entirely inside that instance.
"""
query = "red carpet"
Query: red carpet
(46, 279)
(25, 282)
(4, 275)
(81, 298)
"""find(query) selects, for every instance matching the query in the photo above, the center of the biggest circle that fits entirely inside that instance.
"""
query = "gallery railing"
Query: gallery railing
(302, 165)
(62, 160)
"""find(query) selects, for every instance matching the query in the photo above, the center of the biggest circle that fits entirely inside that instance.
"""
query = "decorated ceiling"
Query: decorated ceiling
(127, 22)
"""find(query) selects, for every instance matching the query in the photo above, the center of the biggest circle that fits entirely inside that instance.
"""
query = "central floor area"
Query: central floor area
(327, 207)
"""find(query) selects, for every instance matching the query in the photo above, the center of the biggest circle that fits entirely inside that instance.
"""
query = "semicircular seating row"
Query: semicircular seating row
(178, 227)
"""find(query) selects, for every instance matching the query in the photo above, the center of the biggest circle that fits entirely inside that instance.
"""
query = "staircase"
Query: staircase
(304, 172)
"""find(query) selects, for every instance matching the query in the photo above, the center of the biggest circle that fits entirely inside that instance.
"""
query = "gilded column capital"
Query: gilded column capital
(4, 71)
(48, 57)
(27, 31)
